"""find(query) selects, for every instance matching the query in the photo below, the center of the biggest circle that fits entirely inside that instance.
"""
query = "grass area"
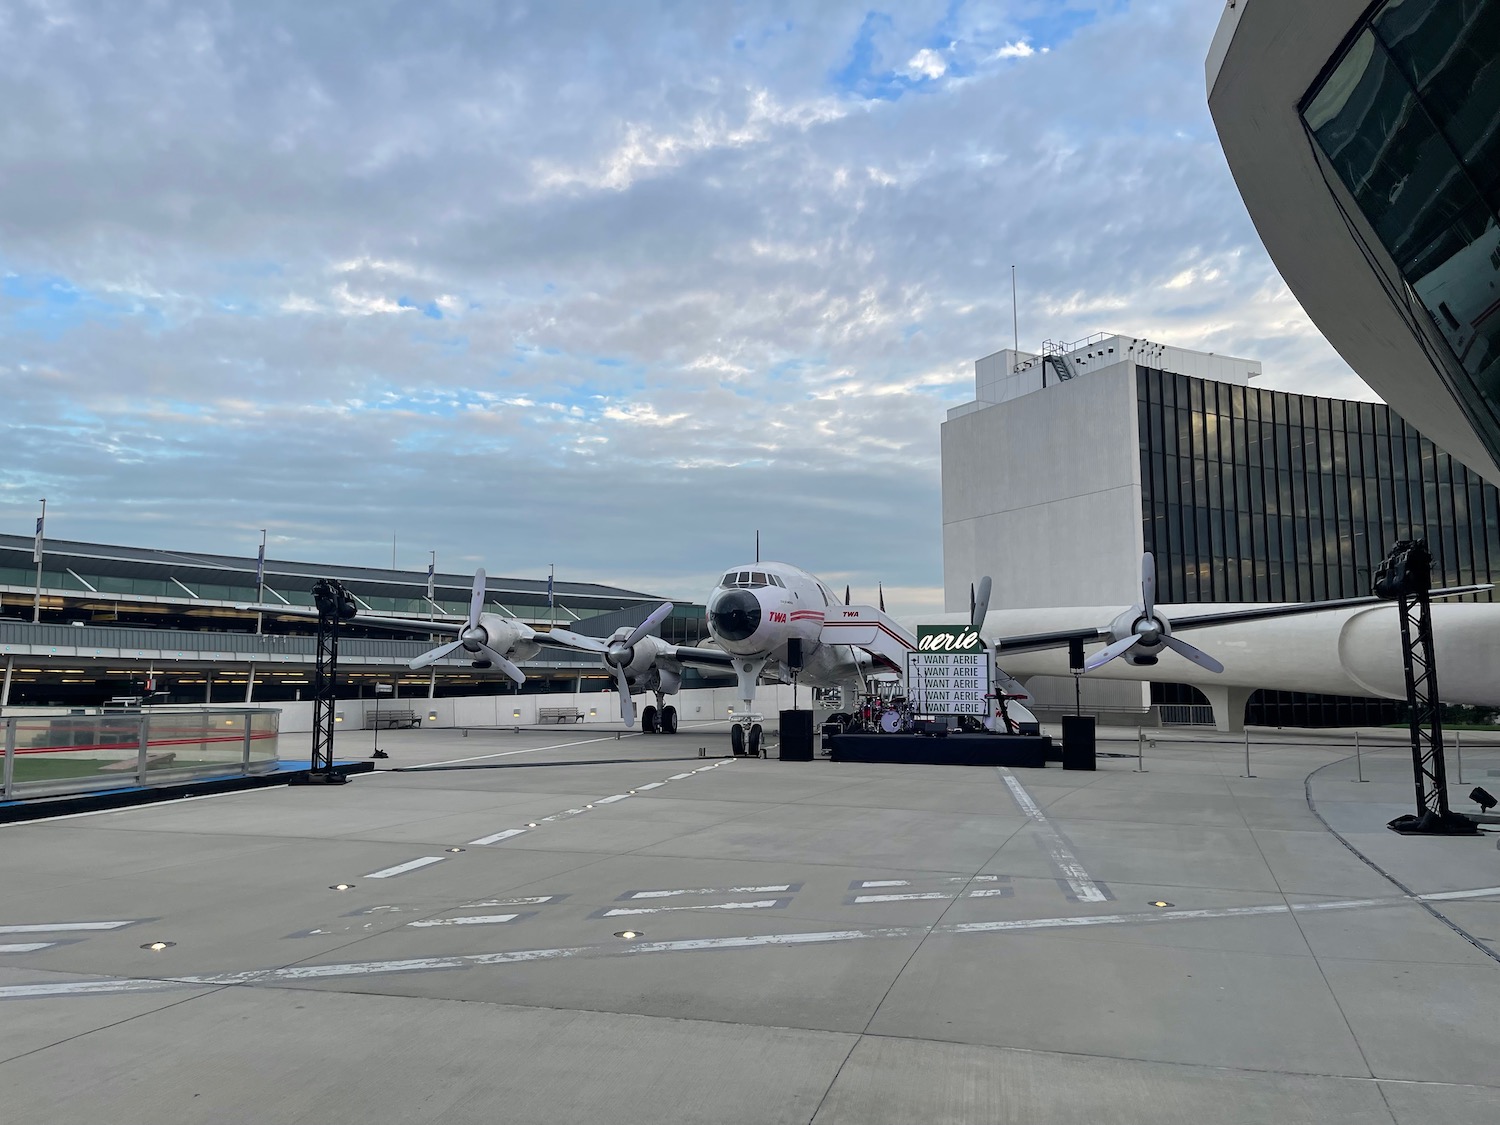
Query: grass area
(38, 768)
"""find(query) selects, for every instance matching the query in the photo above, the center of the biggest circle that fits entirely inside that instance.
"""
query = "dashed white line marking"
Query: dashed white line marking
(467, 920)
(537, 901)
(1074, 874)
(759, 904)
(26, 946)
(403, 868)
(612, 800)
(57, 927)
(497, 837)
(680, 776)
(886, 883)
(711, 891)
(653, 785)
(903, 898)
(823, 937)
(990, 892)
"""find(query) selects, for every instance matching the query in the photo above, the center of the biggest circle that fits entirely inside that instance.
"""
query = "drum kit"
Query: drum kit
(895, 715)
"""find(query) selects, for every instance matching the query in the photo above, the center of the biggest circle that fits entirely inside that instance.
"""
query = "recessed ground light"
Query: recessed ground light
(342, 887)
(627, 934)
(455, 849)
(1160, 903)
(158, 946)
(531, 824)
(588, 806)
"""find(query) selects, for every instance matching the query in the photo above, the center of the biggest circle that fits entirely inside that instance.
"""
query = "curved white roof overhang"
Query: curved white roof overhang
(1265, 56)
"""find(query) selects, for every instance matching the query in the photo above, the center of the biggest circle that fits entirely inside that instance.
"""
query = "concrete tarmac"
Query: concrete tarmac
(566, 925)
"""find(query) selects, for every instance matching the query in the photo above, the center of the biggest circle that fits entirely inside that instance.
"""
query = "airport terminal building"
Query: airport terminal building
(113, 617)
(1072, 462)
(1365, 140)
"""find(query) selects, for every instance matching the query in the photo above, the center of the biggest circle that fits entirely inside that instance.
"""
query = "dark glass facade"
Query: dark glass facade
(1252, 495)
(1408, 117)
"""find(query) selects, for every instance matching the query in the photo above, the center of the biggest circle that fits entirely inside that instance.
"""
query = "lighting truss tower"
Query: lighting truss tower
(1405, 576)
(335, 604)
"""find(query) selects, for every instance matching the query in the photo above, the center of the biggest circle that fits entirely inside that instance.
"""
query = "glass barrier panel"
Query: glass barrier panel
(74, 753)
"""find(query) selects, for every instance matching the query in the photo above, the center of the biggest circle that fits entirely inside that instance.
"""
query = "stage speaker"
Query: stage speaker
(1078, 742)
(1075, 654)
(796, 736)
(794, 654)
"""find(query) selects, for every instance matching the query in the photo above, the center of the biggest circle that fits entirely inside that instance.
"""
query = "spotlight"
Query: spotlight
(1483, 798)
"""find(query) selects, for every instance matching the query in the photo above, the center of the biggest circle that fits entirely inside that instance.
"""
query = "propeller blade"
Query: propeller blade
(981, 607)
(476, 599)
(1105, 655)
(882, 597)
(504, 665)
(579, 640)
(1197, 656)
(846, 594)
(658, 615)
(432, 656)
(627, 705)
(1148, 584)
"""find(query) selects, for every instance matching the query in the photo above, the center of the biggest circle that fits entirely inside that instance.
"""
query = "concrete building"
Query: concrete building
(1072, 462)
(1365, 140)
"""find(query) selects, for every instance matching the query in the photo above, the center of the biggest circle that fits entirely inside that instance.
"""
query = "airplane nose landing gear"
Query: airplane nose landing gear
(746, 736)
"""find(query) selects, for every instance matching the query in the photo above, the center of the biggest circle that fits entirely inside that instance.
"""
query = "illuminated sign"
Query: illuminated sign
(949, 673)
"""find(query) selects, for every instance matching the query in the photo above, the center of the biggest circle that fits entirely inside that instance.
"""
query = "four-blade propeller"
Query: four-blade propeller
(475, 639)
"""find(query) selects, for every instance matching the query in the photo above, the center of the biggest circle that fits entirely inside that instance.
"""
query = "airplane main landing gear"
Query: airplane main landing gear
(659, 719)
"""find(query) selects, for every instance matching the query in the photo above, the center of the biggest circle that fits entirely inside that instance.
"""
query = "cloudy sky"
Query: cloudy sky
(608, 285)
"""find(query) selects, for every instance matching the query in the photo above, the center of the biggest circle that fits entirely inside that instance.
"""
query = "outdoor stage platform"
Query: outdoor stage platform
(1025, 750)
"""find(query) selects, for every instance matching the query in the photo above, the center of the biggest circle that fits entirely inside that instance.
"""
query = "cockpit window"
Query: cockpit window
(748, 580)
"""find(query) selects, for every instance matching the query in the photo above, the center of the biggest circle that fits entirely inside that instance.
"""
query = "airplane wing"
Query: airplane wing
(1033, 641)
(369, 620)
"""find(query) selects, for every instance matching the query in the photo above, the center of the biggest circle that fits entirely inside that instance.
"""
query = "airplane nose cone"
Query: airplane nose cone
(735, 615)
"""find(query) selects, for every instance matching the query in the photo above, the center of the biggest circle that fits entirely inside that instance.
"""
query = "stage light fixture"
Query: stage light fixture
(1483, 798)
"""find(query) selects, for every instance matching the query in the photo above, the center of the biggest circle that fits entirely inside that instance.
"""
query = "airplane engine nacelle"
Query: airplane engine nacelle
(504, 633)
(1151, 631)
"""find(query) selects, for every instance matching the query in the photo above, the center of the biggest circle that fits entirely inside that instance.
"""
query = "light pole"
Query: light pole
(36, 553)
(260, 583)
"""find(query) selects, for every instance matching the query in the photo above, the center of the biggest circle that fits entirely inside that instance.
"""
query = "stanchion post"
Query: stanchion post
(140, 760)
(7, 781)
(1247, 772)
(1458, 748)
(1359, 767)
(1140, 749)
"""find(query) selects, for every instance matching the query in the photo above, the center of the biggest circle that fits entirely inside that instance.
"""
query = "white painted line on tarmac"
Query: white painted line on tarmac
(653, 785)
(57, 927)
(1073, 872)
(680, 776)
(1449, 896)
(403, 868)
(915, 896)
(497, 837)
(991, 892)
(536, 901)
(613, 799)
(510, 753)
(466, 920)
(754, 941)
(713, 891)
(26, 946)
(759, 904)
(886, 883)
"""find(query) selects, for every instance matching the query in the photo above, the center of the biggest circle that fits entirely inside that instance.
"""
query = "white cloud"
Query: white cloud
(927, 63)
(1020, 49)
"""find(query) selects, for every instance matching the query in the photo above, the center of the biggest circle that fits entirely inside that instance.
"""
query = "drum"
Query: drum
(890, 721)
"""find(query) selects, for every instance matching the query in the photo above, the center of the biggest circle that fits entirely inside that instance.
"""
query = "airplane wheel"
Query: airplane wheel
(752, 745)
(737, 739)
(669, 720)
(648, 720)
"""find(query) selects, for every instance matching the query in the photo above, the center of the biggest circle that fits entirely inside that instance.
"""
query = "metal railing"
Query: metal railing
(1185, 714)
(51, 755)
